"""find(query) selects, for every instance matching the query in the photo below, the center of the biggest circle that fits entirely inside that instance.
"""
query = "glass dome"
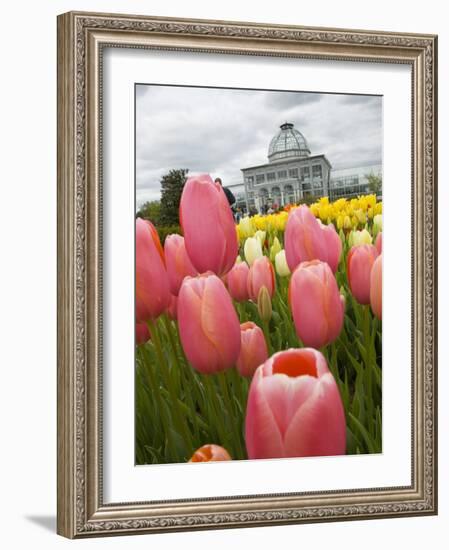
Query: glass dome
(288, 143)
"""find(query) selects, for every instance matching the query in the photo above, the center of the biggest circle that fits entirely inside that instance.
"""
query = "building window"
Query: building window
(260, 178)
(282, 174)
(305, 173)
(293, 173)
(271, 176)
(250, 179)
(317, 171)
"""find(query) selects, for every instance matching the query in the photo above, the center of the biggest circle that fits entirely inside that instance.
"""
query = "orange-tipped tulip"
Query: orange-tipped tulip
(253, 351)
(294, 408)
(378, 243)
(208, 324)
(152, 292)
(237, 281)
(306, 238)
(142, 333)
(178, 262)
(316, 304)
(360, 261)
(376, 287)
(210, 453)
(261, 273)
(208, 226)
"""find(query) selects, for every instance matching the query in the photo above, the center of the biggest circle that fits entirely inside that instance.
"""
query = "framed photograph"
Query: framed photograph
(247, 316)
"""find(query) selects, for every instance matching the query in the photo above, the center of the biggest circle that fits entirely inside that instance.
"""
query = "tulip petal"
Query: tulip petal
(318, 428)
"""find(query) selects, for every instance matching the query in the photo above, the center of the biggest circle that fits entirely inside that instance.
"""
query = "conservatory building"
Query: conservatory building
(291, 173)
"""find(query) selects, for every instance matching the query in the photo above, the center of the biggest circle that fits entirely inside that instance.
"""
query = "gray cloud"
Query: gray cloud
(220, 131)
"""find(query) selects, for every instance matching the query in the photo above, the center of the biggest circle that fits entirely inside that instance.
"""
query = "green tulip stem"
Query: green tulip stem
(180, 421)
(232, 415)
(181, 369)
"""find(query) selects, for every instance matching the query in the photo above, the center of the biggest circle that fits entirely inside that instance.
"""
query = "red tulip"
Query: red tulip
(152, 292)
(360, 261)
(208, 324)
(306, 238)
(178, 262)
(142, 333)
(378, 243)
(253, 351)
(210, 453)
(237, 282)
(316, 304)
(294, 408)
(261, 273)
(208, 225)
(376, 287)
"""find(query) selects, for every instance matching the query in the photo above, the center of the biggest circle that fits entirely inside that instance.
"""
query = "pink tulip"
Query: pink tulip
(152, 292)
(306, 238)
(178, 262)
(208, 324)
(294, 408)
(142, 333)
(210, 453)
(376, 287)
(172, 310)
(208, 225)
(237, 282)
(360, 261)
(316, 304)
(253, 351)
(261, 273)
(378, 243)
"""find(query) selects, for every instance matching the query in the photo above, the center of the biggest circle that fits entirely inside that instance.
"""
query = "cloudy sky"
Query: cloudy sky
(220, 131)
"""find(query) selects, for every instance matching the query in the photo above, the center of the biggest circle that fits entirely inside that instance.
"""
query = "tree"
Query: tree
(374, 183)
(172, 185)
(151, 210)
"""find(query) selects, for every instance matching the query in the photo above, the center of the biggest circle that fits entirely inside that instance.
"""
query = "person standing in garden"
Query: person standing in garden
(229, 194)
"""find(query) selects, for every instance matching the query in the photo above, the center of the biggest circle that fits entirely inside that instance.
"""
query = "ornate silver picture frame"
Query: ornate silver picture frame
(82, 39)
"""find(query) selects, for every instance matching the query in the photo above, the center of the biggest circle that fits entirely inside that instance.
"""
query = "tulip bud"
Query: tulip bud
(377, 223)
(264, 306)
(246, 227)
(360, 237)
(261, 236)
(252, 250)
(294, 408)
(275, 248)
(210, 453)
(261, 274)
(376, 287)
(316, 305)
(253, 351)
(178, 262)
(208, 324)
(281, 264)
(208, 225)
(306, 238)
(360, 261)
(237, 282)
(152, 290)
